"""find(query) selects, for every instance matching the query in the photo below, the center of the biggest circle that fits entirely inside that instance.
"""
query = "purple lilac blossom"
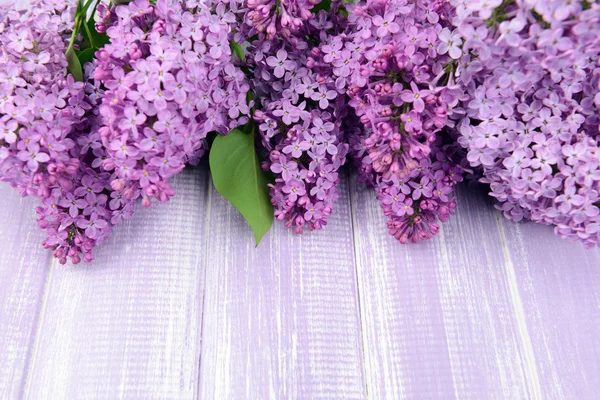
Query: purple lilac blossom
(397, 88)
(49, 140)
(279, 17)
(40, 104)
(79, 213)
(300, 120)
(170, 80)
(529, 117)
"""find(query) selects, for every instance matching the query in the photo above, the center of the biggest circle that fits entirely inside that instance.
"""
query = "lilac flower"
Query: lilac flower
(397, 94)
(415, 96)
(92, 226)
(323, 96)
(296, 148)
(450, 43)
(531, 127)
(302, 108)
(131, 119)
(280, 63)
(294, 189)
(73, 203)
(170, 79)
(386, 24)
(270, 17)
(33, 156)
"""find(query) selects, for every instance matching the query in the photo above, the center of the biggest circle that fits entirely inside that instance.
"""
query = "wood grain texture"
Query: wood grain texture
(559, 284)
(129, 325)
(23, 268)
(439, 319)
(281, 321)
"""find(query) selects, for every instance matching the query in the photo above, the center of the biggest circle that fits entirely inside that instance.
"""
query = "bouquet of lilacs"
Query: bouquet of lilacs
(529, 115)
(102, 102)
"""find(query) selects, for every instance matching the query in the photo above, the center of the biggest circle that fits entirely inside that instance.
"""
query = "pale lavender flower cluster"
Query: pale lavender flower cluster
(300, 122)
(40, 106)
(47, 132)
(170, 80)
(529, 119)
(79, 213)
(396, 62)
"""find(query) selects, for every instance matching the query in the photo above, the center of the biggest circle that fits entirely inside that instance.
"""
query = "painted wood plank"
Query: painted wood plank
(439, 320)
(559, 284)
(129, 325)
(281, 321)
(23, 267)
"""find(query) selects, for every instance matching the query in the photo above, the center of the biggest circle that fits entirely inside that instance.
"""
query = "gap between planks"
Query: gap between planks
(38, 328)
(205, 259)
(519, 315)
(352, 188)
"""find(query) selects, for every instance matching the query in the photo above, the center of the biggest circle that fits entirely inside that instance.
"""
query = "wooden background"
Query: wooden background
(180, 305)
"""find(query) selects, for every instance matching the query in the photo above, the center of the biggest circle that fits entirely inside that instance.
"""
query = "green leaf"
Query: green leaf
(86, 55)
(237, 176)
(236, 49)
(324, 5)
(96, 40)
(74, 66)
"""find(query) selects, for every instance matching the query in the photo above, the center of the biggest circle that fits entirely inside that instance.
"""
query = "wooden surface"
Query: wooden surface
(180, 305)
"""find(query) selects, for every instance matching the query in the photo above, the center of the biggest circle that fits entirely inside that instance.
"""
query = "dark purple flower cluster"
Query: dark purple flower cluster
(396, 63)
(415, 204)
(300, 121)
(170, 80)
(529, 119)
(40, 105)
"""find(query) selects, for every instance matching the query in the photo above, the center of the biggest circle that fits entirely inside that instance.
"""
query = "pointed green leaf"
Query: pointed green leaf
(237, 176)
(86, 55)
(324, 5)
(236, 49)
(95, 39)
(74, 66)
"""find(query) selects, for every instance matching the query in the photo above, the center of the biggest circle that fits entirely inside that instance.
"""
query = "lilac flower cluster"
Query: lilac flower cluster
(300, 121)
(170, 80)
(396, 62)
(47, 132)
(529, 119)
(39, 105)
(79, 213)
(284, 17)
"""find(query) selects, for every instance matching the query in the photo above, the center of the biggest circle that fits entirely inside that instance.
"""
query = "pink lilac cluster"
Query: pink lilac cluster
(279, 17)
(170, 80)
(300, 121)
(79, 213)
(396, 61)
(40, 106)
(529, 120)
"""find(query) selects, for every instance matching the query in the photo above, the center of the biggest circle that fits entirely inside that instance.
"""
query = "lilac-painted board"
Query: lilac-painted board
(439, 319)
(559, 285)
(180, 305)
(23, 269)
(281, 321)
(129, 325)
